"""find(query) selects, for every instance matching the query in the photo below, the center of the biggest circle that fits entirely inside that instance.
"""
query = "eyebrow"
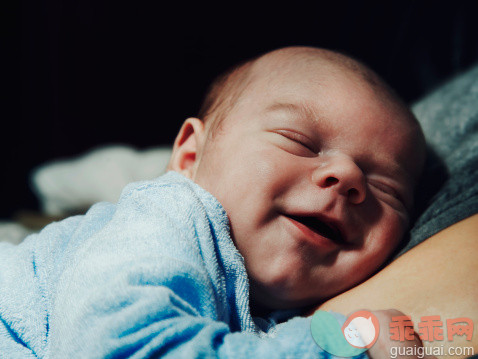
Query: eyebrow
(302, 109)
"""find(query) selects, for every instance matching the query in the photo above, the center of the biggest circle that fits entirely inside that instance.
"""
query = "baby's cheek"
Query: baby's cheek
(388, 237)
(380, 244)
(267, 164)
(387, 231)
(395, 230)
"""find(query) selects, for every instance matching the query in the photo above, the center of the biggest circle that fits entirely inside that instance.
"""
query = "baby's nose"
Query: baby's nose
(341, 173)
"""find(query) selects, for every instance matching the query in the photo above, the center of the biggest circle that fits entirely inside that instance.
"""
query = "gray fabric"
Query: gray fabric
(448, 192)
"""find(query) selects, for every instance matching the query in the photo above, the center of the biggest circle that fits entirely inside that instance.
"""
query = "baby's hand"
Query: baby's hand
(381, 348)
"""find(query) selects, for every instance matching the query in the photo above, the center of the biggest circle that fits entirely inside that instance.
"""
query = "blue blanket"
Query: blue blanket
(155, 275)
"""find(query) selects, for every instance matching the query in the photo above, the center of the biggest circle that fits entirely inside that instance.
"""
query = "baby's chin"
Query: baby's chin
(265, 300)
(268, 297)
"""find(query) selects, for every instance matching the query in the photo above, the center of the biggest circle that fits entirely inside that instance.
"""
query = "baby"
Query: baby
(295, 184)
(315, 161)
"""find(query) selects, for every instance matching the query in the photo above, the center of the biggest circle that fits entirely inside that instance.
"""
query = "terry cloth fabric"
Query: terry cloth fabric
(156, 275)
(448, 192)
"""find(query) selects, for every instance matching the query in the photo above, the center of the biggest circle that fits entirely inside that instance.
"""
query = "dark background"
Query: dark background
(82, 74)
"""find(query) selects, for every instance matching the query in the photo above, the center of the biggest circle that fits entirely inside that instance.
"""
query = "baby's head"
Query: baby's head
(315, 161)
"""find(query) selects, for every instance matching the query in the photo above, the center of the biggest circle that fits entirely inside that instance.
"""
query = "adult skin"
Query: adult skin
(437, 277)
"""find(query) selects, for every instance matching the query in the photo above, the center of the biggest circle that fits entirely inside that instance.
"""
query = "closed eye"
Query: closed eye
(298, 138)
(386, 189)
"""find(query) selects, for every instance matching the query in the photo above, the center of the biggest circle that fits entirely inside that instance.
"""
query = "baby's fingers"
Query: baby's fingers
(384, 347)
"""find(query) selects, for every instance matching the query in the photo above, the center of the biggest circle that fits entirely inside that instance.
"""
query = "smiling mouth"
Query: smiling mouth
(322, 228)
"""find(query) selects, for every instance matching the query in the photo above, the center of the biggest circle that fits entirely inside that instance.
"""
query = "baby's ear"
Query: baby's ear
(186, 147)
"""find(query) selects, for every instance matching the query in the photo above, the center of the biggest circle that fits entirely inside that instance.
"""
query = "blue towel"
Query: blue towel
(155, 275)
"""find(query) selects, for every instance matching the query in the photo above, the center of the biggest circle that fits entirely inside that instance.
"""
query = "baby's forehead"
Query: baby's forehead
(270, 79)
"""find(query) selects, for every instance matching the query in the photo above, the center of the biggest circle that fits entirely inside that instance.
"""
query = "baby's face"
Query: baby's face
(316, 174)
